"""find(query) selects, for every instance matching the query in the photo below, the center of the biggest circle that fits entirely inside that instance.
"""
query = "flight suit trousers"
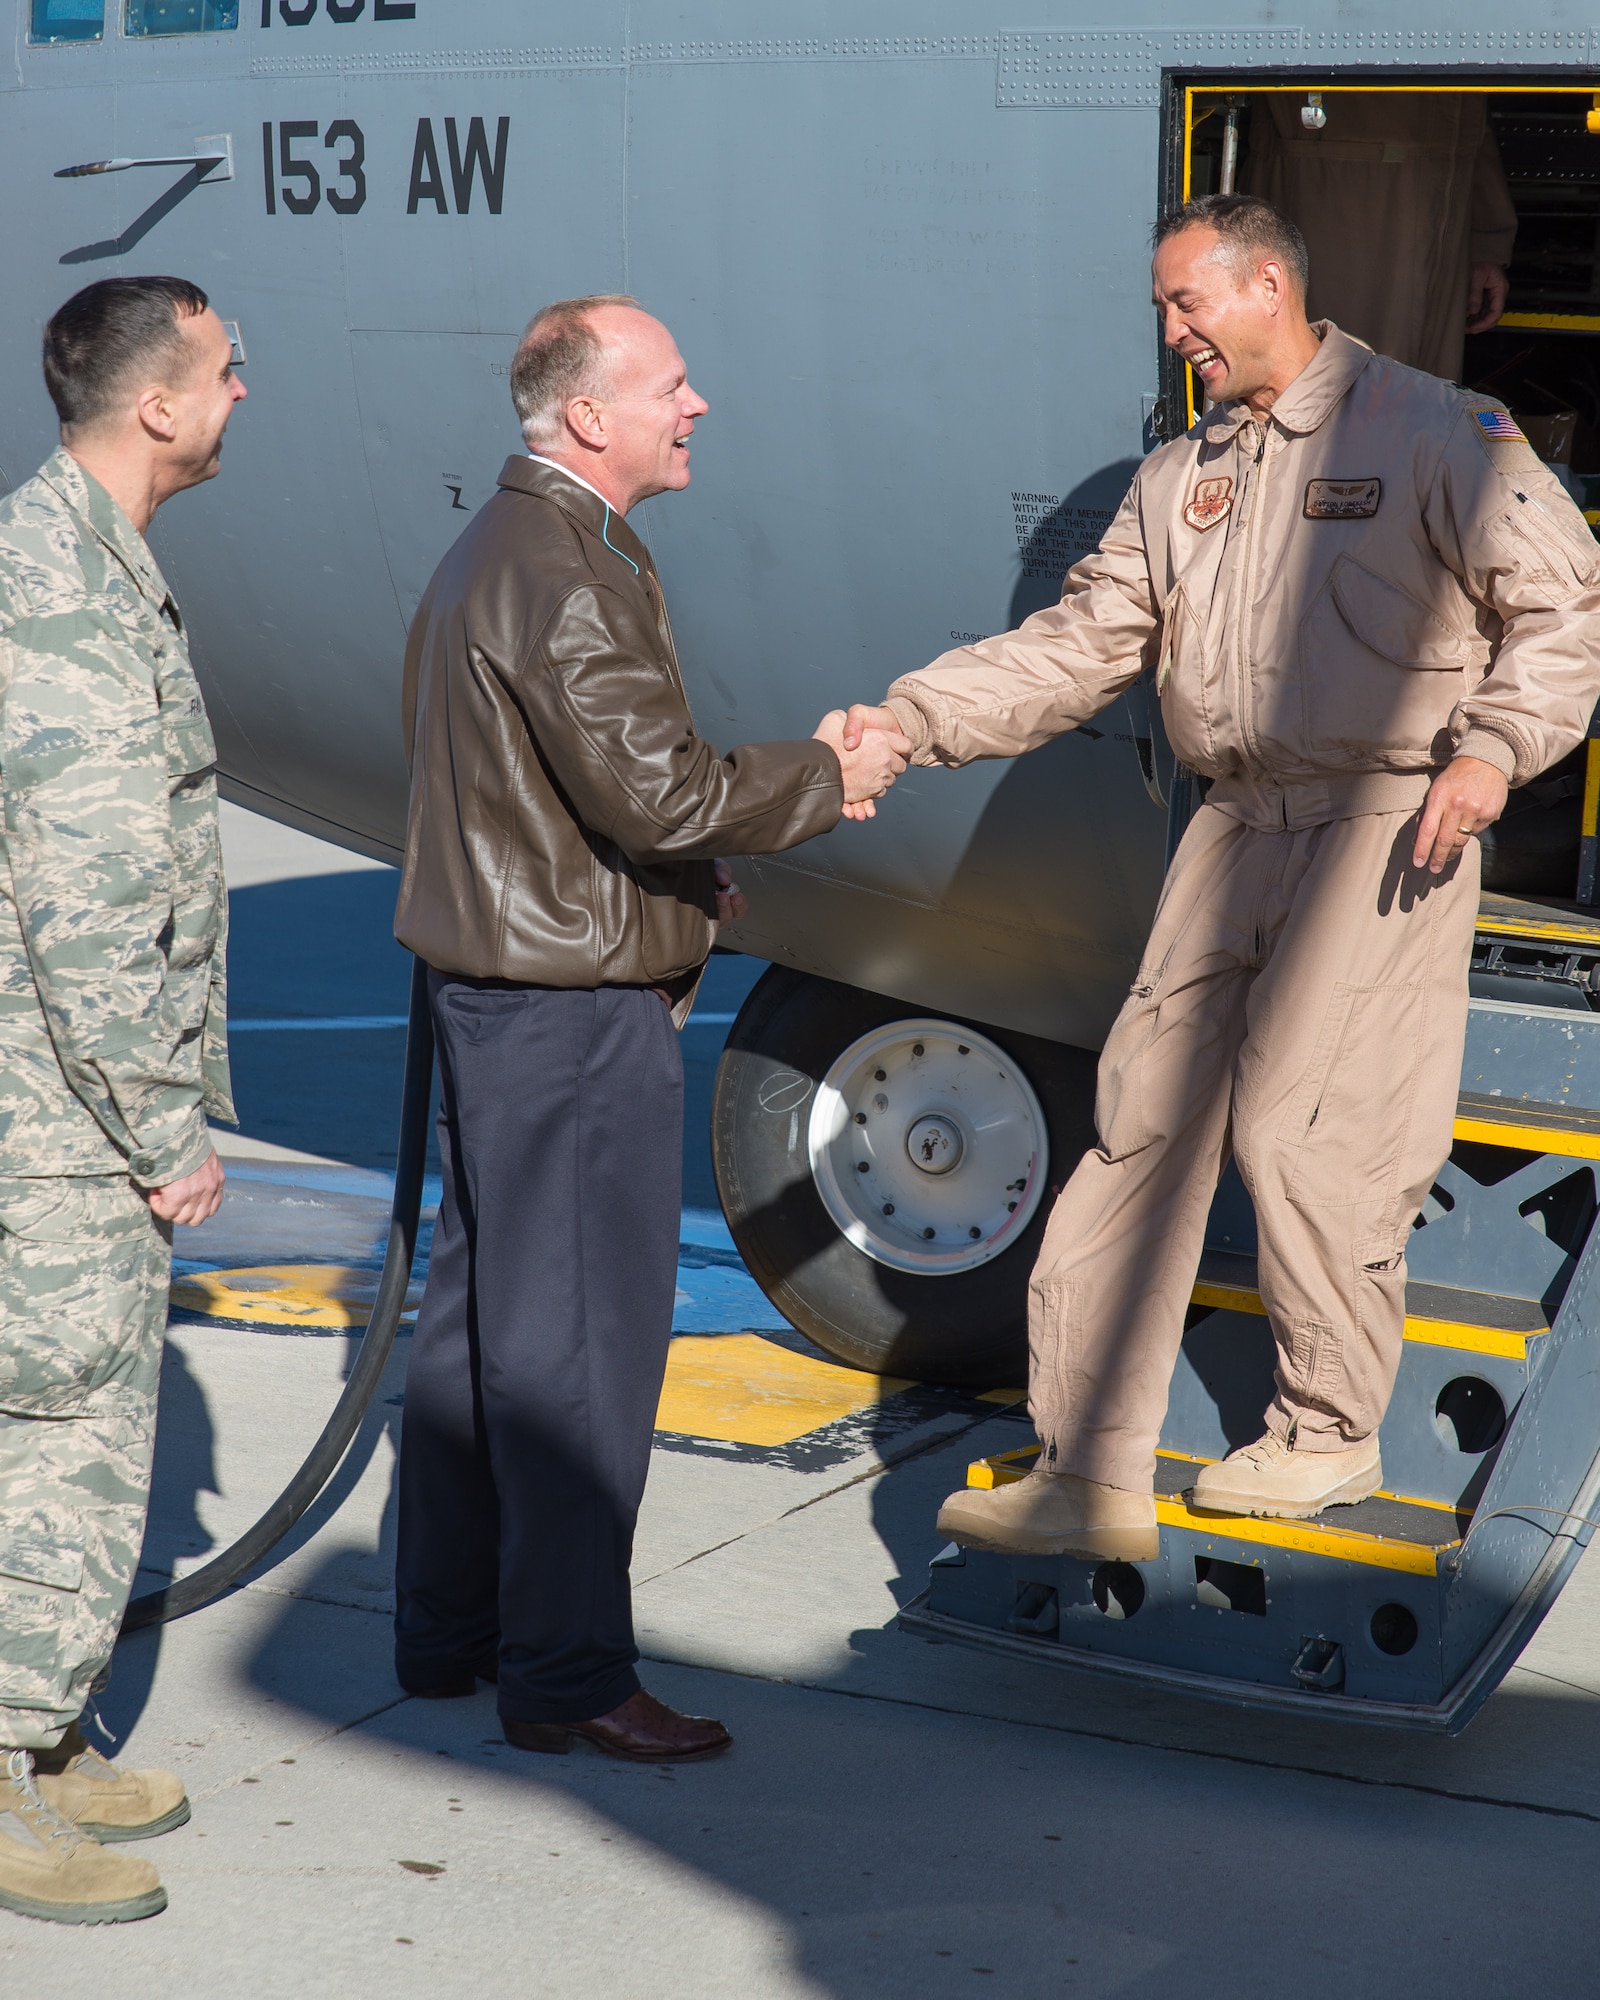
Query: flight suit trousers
(84, 1271)
(1302, 999)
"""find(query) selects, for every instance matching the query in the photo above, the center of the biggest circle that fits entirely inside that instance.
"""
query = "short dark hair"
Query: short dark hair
(1247, 225)
(104, 334)
(559, 357)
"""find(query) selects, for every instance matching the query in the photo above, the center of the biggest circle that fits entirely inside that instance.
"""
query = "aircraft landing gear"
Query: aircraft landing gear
(887, 1174)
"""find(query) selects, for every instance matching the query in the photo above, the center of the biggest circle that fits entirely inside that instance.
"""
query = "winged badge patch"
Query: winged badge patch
(1209, 503)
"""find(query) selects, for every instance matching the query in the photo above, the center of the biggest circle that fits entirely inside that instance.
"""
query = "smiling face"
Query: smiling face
(649, 413)
(1235, 317)
(202, 401)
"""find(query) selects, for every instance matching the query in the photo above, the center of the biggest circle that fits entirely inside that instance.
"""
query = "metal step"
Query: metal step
(1409, 1608)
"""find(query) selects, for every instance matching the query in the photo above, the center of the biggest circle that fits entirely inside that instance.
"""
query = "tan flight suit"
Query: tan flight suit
(1397, 196)
(1334, 603)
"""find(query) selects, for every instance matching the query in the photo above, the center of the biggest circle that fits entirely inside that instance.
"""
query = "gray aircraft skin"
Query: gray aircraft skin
(904, 250)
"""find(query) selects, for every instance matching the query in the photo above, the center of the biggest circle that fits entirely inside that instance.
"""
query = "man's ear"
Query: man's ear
(157, 414)
(586, 419)
(1274, 281)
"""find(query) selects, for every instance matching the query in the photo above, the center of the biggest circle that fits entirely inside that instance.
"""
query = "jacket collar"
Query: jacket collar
(548, 482)
(1313, 394)
(100, 515)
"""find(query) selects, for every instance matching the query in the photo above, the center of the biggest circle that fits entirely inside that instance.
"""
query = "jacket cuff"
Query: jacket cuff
(1492, 749)
(913, 722)
(156, 1166)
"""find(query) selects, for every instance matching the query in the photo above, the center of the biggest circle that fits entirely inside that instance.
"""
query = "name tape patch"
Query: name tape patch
(1342, 499)
(1209, 503)
(1499, 424)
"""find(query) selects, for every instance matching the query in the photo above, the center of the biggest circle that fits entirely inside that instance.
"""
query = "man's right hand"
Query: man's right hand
(194, 1199)
(869, 765)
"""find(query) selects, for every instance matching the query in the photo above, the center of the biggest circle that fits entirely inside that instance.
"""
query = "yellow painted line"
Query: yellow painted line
(1473, 1339)
(1430, 1332)
(1309, 1539)
(1586, 936)
(1002, 1396)
(1002, 1468)
(741, 1389)
(1228, 1298)
(1530, 1138)
(1410, 89)
(1568, 322)
(1591, 776)
(325, 1296)
(1342, 1544)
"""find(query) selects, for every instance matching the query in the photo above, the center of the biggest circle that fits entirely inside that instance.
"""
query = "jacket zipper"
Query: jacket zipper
(1245, 609)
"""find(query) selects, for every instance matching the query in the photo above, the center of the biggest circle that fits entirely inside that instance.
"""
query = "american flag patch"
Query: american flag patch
(1498, 424)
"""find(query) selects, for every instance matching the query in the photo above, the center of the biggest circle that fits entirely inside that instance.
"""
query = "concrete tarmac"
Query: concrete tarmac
(898, 1820)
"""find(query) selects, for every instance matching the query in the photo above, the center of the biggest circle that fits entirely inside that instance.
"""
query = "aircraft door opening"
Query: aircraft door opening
(1456, 229)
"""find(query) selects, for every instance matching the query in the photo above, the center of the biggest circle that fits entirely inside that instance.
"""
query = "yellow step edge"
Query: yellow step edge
(1587, 934)
(1430, 1332)
(1306, 1537)
(1530, 1138)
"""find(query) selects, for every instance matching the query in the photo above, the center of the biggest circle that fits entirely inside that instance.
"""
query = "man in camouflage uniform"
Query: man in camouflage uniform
(112, 1026)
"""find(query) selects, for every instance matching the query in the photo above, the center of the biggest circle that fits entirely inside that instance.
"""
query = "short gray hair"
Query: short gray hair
(1248, 226)
(559, 357)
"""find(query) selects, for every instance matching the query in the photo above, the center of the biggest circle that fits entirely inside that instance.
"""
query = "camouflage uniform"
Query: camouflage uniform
(113, 1032)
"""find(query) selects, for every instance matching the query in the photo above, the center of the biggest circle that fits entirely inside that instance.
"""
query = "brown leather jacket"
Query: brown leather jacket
(564, 812)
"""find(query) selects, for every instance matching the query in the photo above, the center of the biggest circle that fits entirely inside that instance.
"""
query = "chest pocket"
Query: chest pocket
(1380, 672)
(185, 725)
(1390, 621)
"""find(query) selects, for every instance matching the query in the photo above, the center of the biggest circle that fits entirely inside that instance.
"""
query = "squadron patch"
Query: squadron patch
(1209, 503)
(1342, 499)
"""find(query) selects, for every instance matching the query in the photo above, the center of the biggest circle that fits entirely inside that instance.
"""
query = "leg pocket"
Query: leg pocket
(83, 1279)
(1119, 1106)
(1347, 1122)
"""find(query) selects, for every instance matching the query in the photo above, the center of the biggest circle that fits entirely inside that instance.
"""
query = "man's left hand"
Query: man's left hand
(1487, 291)
(731, 905)
(1467, 796)
(192, 1200)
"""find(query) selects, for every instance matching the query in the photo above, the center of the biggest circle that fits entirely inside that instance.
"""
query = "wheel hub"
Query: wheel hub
(927, 1147)
(935, 1145)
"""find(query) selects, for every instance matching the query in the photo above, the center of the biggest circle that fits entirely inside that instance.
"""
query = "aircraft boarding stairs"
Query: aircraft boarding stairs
(1410, 1607)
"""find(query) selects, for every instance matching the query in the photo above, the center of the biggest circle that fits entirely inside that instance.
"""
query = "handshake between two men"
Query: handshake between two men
(872, 752)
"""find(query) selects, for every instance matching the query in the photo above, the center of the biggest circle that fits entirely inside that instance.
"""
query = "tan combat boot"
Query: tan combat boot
(49, 1868)
(1054, 1514)
(1269, 1477)
(102, 1798)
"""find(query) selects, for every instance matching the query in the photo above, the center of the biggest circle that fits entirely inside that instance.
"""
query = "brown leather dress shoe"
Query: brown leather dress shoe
(643, 1730)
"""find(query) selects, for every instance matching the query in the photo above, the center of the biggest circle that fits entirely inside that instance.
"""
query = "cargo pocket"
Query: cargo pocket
(43, 1546)
(1184, 676)
(1347, 1121)
(1380, 671)
(41, 1565)
(82, 1292)
(1119, 1107)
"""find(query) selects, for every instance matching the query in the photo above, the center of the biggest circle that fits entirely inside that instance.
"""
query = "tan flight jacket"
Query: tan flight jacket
(1333, 603)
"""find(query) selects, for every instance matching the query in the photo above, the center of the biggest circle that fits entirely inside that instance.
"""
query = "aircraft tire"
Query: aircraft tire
(963, 1326)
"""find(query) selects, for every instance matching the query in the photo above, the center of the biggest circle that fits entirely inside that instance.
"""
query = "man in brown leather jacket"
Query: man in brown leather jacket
(560, 882)
(1369, 609)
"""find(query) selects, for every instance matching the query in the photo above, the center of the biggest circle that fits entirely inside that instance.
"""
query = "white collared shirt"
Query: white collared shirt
(539, 458)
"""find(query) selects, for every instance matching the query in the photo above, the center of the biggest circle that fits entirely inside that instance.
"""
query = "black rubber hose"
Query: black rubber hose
(176, 1600)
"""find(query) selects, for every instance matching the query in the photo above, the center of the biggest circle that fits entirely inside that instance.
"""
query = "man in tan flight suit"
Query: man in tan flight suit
(1404, 207)
(1370, 609)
